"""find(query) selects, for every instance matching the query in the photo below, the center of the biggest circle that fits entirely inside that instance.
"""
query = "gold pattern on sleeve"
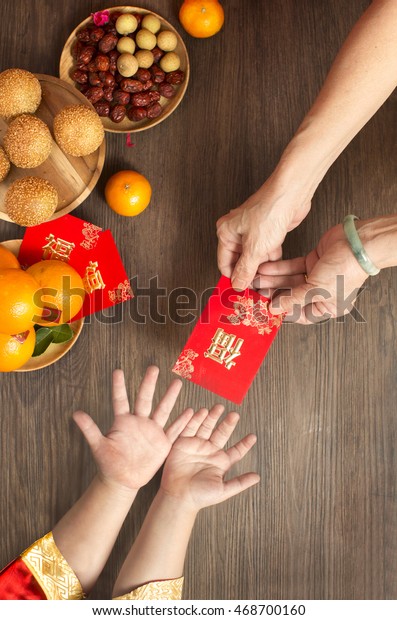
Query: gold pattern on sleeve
(168, 590)
(52, 572)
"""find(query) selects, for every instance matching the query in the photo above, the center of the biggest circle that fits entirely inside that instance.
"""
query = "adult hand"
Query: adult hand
(136, 446)
(197, 464)
(253, 233)
(322, 285)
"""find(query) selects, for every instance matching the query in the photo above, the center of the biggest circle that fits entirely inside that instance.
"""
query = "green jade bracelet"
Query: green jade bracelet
(357, 247)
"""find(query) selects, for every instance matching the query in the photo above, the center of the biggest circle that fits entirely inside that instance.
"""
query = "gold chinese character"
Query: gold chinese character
(224, 349)
(57, 249)
(93, 279)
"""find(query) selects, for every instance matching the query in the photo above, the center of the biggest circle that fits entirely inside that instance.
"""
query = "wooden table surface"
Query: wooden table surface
(323, 522)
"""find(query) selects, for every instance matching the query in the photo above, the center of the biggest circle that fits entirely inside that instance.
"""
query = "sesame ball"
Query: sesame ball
(28, 141)
(20, 92)
(4, 164)
(30, 201)
(78, 130)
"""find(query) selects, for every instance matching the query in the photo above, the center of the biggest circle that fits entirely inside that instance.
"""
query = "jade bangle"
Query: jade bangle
(357, 247)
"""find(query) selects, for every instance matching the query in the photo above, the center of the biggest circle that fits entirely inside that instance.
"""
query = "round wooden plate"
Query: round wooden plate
(54, 351)
(67, 63)
(73, 177)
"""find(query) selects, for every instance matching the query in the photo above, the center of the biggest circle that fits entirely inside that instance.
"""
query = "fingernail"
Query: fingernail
(238, 285)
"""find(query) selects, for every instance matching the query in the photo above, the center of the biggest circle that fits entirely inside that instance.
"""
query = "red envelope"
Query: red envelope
(87, 248)
(229, 342)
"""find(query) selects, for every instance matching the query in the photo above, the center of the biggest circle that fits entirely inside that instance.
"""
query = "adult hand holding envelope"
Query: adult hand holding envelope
(361, 78)
(325, 283)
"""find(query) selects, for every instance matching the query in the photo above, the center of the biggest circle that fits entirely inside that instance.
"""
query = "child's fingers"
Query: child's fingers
(144, 398)
(209, 423)
(121, 405)
(240, 449)
(176, 428)
(166, 404)
(222, 433)
(192, 427)
(239, 484)
(90, 430)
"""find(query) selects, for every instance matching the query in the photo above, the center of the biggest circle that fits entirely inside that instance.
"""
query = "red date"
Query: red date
(102, 108)
(154, 110)
(166, 90)
(141, 100)
(93, 79)
(114, 16)
(108, 93)
(77, 49)
(84, 35)
(158, 75)
(131, 86)
(108, 43)
(175, 77)
(94, 94)
(137, 114)
(147, 85)
(157, 53)
(117, 113)
(143, 75)
(96, 34)
(81, 77)
(119, 96)
(107, 78)
(86, 54)
(154, 96)
(102, 62)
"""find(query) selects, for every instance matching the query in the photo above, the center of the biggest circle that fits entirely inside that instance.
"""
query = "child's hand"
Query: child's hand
(136, 445)
(196, 466)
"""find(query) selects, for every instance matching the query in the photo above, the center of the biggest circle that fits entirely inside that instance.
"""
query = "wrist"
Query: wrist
(116, 491)
(379, 239)
(178, 505)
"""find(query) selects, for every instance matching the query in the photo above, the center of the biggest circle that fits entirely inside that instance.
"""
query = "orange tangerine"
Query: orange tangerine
(8, 260)
(61, 291)
(17, 301)
(16, 350)
(201, 18)
(128, 193)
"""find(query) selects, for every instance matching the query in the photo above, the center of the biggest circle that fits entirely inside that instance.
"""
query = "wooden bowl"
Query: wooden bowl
(73, 177)
(67, 64)
(54, 351)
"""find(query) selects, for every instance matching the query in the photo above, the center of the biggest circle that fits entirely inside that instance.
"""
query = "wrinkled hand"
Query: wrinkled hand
(136, 446)
(334, 278)
(197, 464)
(253, 233)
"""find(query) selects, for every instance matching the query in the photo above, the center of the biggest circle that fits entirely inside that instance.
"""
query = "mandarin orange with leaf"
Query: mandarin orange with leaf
(61, 292)
(202, 18)
(128, 193)
(16, 350)
(17, 301)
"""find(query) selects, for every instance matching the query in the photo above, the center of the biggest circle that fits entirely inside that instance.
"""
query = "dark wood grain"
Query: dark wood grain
(323, 523)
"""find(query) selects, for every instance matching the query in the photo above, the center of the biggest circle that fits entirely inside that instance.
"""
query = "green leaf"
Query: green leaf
(43, 340)
(61, 333)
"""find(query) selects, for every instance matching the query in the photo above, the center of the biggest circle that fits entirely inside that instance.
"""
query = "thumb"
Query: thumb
(288, 300)
(90, 430)
(244, 272)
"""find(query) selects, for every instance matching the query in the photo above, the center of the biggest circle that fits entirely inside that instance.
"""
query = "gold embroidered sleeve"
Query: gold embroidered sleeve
(167, 590)
(52, 572)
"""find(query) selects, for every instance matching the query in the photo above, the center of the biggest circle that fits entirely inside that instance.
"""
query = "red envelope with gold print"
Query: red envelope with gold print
(229, 342)
(87, 248)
